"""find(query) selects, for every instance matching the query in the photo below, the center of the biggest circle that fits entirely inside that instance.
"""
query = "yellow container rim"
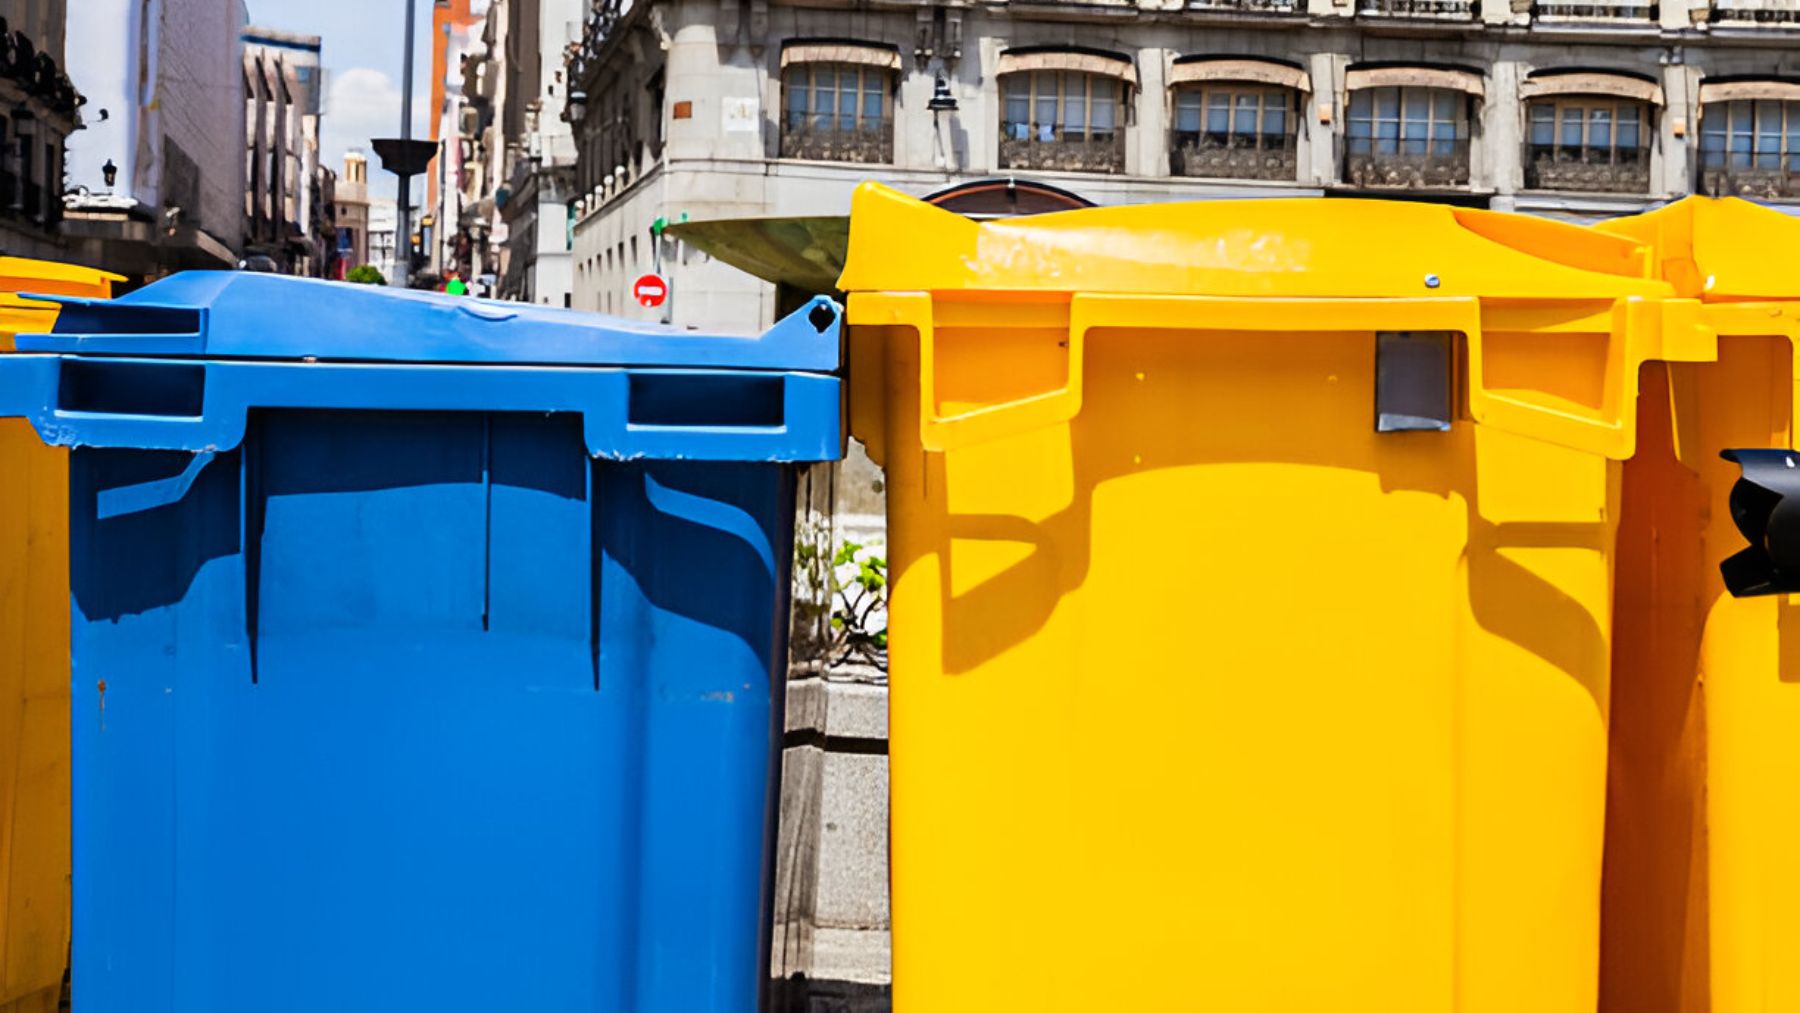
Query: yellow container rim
(1273, 248)
(1718, 249)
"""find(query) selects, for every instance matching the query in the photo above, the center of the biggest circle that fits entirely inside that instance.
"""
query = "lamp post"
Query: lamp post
(942, 101)
(403, 156)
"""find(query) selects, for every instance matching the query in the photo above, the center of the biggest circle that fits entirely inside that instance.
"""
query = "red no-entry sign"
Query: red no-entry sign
(650, 290)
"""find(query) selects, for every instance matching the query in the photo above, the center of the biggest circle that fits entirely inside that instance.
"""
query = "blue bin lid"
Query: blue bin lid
(246, 315)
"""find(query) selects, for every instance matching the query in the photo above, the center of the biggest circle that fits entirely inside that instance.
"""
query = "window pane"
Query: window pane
(1074, 111)
(1768, 135)
(1044, 121)
(1218, 113)
(1361, 104)
(1248, 106)
(1792, 109)
(1387, 104)
(1712, 136)
(872, 109)
(1018, 114)
(1187, 111)
(1103, 109)
(1018, 86)
(1543, 124)
(1444, 105)
(1629, 137)
(1275, 115)
(797, 97)
(847, 107)
(1415, 128)
(1599, 132)
(1571, 126)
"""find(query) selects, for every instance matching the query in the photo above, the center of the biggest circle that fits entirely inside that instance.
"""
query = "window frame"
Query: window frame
(796, 125)
(1232, 91)
(1559, 107)
(1033, 96)
(1461, 122)
(1786, 157)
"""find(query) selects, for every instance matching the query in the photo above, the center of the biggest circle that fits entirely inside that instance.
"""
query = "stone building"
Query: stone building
(44, 109)
(514, 162)
(288, 193)
(155, 179)
(352, 215)
(1574, 108)
(384, 240)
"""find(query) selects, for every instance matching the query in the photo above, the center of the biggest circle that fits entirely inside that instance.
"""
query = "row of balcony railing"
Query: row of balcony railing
(1743, 12)
(1442, 165)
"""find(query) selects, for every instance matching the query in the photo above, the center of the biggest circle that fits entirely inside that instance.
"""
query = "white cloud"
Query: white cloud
(362, 103)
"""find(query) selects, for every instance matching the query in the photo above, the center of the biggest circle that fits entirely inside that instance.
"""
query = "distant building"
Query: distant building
(518, 179)
(155, 181)
(44, 108)
(352, 215)
(1579, 109)
(287, 198)
(383, 239)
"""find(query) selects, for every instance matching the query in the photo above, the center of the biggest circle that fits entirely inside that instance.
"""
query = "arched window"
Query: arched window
(1589, 131)
(1064, 111)
(1409, 127)
(1235, 119)
(1750, 139)
(837, 102)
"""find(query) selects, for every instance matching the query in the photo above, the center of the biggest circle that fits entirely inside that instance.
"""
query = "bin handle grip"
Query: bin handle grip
(939, 432)
(1639, 329)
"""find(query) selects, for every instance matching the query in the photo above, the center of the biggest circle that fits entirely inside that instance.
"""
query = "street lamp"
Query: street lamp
(941, 99)
(110, 173)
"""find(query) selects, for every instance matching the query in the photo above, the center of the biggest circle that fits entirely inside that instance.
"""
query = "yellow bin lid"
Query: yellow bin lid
(43, 277)
(1718, 250)
(1277, 248)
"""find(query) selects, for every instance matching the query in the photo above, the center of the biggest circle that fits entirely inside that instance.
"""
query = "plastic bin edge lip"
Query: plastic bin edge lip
(232, 315)
(1253, 249)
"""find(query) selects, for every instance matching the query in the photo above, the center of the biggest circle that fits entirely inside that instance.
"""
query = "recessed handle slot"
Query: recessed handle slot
(103, 387)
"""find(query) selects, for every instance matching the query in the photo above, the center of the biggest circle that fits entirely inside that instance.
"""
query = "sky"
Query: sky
(362, 56)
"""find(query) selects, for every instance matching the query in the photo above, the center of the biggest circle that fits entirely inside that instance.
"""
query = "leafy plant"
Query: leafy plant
(859, 613)
(366, 274)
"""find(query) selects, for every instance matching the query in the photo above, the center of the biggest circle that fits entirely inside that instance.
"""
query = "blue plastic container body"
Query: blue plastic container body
(428, 685)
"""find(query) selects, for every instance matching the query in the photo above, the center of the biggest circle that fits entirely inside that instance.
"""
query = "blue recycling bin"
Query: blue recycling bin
(428, 652)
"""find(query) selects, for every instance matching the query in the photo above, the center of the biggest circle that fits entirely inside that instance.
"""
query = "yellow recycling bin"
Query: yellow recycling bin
(1703, 889)
(1251, 598)
(34, 667)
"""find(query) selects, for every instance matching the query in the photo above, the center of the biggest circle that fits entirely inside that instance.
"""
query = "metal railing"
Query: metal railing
(1642, 12)
(1064, 156)
(871, 145)
(1780, 13)
(1592, 170)
(1410, 171)
(1754, 184)
(1192, 153)
(1249, 6)
(1428, 10)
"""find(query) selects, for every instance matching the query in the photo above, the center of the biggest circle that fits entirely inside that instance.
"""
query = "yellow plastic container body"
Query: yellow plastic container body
(1703, 892)
(1205, 695)
(34, 668)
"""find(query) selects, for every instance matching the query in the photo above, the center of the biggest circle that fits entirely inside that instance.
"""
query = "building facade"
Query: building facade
(44, 109)
(352, 215)
(288, 195)
(518, 173)
(384, 239)
(154, 181)
(1574, 108)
